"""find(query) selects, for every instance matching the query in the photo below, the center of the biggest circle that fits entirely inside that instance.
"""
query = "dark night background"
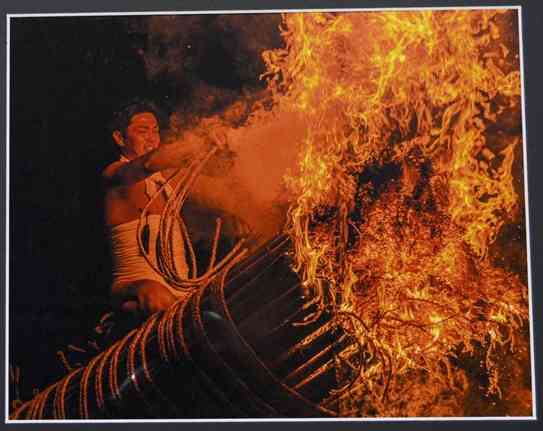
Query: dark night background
(68, 76)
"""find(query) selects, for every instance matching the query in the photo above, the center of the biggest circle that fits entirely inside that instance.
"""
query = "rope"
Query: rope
(169, 218)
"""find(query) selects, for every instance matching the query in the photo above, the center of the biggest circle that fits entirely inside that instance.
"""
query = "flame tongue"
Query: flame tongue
(400, 190)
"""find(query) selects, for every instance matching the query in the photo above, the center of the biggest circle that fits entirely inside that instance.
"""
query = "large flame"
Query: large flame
(401, 191)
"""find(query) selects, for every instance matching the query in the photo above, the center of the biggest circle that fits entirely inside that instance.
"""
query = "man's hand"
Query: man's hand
(181, 152)
(219, 138)
(151, 297)
(222, 162)
(193, 146)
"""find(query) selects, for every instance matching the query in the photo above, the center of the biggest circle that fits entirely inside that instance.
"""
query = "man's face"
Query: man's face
(142, 135)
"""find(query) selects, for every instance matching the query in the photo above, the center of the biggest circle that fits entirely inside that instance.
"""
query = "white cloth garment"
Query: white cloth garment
(129, 263)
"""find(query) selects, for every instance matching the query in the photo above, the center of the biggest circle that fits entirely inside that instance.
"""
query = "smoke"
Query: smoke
(210, 66)
(203, 63)
(246, 179)
(266, 153)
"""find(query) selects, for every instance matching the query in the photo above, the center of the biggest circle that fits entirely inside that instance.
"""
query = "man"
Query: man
(131, 183)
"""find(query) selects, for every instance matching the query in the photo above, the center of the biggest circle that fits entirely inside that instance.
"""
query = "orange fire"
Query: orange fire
(400, 192)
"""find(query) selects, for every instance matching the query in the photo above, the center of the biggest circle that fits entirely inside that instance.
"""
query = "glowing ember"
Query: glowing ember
(400, 193)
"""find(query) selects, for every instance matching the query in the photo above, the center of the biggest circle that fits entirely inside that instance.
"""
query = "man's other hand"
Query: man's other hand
(153, 297)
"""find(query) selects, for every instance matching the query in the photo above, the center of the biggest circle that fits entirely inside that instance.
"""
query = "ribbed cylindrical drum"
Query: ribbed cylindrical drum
(233, 350)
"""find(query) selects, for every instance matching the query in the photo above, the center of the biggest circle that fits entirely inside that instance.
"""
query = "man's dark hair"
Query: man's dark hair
(121, 118)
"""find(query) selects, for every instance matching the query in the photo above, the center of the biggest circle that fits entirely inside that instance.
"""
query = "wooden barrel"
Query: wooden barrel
(233, 350)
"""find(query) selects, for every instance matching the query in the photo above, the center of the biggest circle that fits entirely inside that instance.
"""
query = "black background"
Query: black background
(68, 76)
(65, 81)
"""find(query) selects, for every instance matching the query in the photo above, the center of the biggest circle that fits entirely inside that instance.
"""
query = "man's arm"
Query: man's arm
(169, 156)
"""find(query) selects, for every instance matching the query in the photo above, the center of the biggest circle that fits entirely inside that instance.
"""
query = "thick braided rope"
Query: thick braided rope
(165, 247)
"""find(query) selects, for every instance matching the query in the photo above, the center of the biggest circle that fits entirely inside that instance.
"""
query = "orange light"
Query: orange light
(409, 257)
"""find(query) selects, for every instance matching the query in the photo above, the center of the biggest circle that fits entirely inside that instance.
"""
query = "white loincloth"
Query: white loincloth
(129, 264)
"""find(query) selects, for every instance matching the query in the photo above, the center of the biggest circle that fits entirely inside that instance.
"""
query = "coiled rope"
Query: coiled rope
(170, 218)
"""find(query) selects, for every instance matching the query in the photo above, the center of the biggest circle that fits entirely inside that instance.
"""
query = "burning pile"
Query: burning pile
(403, 187)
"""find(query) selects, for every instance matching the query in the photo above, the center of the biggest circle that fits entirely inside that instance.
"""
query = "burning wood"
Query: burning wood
(403, 188)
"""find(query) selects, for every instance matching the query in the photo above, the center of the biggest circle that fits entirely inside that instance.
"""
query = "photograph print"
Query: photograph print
(314, 214)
